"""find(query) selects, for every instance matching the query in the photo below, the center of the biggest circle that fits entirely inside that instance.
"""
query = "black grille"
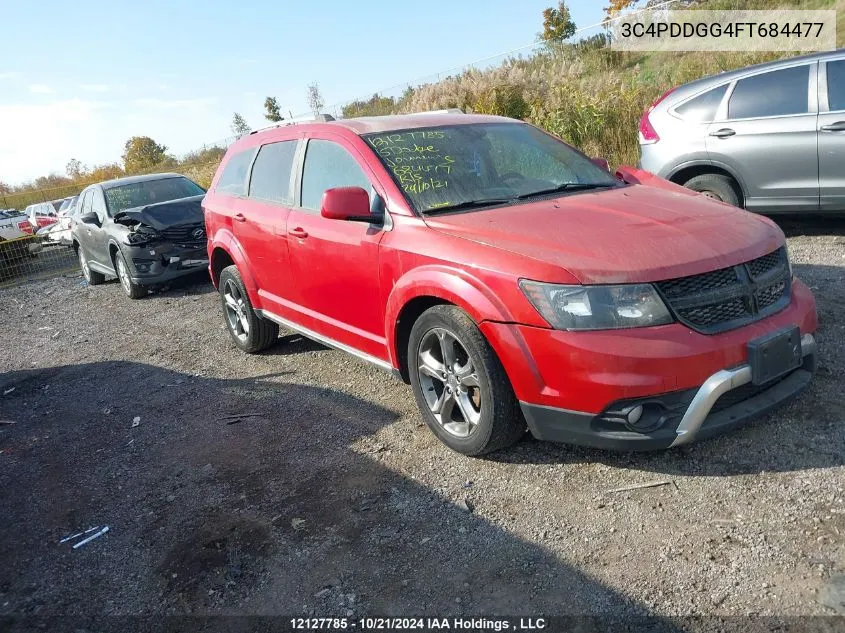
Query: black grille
(707, 281)
(184, 233)
(730, 297)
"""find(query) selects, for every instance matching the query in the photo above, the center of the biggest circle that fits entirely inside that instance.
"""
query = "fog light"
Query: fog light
(635, 414)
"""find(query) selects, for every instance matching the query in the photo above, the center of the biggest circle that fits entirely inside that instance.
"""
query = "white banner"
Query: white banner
(739, 31)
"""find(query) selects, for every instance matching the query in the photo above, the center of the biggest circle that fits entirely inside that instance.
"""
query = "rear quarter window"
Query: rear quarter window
(702, 109)
(233, 178)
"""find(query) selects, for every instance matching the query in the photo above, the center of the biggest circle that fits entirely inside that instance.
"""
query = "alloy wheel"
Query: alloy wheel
(236, 311)
(449, 382)
(123, 274)
(83, 263)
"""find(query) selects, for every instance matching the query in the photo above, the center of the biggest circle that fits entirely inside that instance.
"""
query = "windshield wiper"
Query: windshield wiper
(469, 204)
(567, 186)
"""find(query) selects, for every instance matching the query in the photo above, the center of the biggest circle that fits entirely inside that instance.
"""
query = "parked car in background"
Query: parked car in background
(41, 214)
(16, 242)
(768, 138)
(60, 233)
(146, 230)
(509, 279)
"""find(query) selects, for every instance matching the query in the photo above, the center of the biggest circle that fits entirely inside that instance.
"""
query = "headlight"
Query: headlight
(137, 238)
(597, 307)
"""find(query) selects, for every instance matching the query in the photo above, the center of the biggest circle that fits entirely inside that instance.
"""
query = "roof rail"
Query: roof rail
(446, 111)
(319, 118)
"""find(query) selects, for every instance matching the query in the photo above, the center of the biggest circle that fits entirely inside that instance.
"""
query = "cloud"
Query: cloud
(39, 138)
(176, 104)
(10, 75)
(42, 89)
(95, 87)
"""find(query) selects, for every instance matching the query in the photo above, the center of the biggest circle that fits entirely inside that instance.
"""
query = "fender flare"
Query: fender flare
(226, 241)
(441, 282)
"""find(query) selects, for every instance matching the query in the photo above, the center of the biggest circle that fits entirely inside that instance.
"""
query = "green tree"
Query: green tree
(75, 169)
(272, 107)
(374, 106)
(142, 152)
(557, 24)
(106, 172)
(315, 99)
(239, 125)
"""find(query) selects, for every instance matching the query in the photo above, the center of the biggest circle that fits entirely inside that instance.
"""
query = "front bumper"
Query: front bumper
(157, 264)
(724, 401)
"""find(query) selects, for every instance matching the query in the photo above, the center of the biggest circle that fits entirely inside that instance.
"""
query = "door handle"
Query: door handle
(839, 126)
(298, 232)
(725, 132)
(239, 217)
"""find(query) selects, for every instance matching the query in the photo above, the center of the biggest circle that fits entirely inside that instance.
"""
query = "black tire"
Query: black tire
(717, 186)
(259, 333)
(91, 276)
(130, 288)
(500, 422)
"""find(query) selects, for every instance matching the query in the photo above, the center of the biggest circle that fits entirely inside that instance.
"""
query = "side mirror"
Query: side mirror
(89, 218)
(347, 203)
(601, 162)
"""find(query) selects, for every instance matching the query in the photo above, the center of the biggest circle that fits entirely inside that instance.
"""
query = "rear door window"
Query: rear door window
(271, 172)
(328, 165)
(836, 85)
(233, 178)
(777, 93)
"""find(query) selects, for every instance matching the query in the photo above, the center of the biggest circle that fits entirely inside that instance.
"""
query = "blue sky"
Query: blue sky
(79, 78)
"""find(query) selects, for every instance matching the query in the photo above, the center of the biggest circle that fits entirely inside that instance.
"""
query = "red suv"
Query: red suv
(509, 279)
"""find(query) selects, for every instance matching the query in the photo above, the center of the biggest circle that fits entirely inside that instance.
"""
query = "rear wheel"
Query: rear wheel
(91, 276)
(249, 332)
(460, 385)
(716, 186)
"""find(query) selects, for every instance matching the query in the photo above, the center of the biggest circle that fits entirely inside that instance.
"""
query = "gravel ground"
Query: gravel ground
(331, 496)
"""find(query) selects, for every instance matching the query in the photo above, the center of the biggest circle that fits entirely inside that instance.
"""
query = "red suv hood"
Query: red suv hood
(629, 234)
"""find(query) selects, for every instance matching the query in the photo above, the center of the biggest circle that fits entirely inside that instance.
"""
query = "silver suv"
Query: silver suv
(769, 138)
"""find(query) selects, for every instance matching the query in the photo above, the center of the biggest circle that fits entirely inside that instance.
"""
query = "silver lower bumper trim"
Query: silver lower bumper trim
(716, 386)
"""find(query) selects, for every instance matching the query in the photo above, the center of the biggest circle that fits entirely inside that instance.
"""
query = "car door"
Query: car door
(766, 134)
(335, 264)
(832, 135)
(260, 224)
(99, 250)
(85, 230)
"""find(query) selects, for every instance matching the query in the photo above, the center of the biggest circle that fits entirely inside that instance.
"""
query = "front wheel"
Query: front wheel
(91, 276)
(132, 290)
(460, 385)
(250, 333)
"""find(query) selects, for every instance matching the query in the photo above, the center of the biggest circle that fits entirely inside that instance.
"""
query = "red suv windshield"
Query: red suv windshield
(461, 166)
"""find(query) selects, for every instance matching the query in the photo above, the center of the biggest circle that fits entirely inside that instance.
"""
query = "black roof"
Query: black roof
(119, 182)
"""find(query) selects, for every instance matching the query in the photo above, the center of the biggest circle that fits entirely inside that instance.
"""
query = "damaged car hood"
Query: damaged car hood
(164, 215)
(627, 234)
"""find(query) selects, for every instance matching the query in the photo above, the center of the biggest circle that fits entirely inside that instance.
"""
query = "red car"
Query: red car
(509, 279)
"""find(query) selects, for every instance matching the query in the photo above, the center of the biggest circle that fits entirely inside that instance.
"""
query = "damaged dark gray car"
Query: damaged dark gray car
(145, 230)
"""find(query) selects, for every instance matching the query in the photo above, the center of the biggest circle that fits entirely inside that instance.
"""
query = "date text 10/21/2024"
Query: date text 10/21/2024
(418, 624)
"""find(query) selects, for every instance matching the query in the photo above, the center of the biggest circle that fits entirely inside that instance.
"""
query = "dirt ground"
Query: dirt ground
(328, 495)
